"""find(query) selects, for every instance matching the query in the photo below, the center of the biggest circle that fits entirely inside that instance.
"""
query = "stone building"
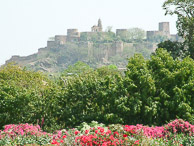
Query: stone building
(106, 49)
(85, 40)
(163, 31)
(73, 35)
(164, 27)
(97, 28)
(152, 34)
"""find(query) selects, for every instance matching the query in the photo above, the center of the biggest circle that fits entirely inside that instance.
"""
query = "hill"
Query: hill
(96, 48)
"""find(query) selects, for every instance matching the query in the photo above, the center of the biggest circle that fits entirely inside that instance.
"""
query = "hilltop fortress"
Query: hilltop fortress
(99, 44)
(116, 46)
(73, 35)
(86, 39)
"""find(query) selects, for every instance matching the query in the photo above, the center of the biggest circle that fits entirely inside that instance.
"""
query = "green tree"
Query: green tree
(158, 90)
(76, 69)
(132, 34)
(136, 34)
(184, 10)
(109, 29)
(27, 97)
(176, 49)
(108, 37)
(89, 96)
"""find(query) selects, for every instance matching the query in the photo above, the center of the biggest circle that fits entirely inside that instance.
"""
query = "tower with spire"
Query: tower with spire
(100, 24)
(97, 28)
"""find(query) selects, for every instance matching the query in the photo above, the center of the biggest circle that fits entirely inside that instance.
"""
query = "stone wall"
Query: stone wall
(118, 46)
(60, 39)
(163, 30)
(105, 50)
(151, 34)
(73, 35)
(51, 44)
(72, 32)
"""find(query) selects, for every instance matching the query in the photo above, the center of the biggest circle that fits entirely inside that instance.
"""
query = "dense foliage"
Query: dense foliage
(89, 96)
(159, 89)
(26, 96)
(176, 49)
(149, 92)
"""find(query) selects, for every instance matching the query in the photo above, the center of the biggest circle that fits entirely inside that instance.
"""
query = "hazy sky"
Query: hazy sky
(26, 25)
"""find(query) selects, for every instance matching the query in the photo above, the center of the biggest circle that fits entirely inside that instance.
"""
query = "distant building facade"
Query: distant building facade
(163, 31)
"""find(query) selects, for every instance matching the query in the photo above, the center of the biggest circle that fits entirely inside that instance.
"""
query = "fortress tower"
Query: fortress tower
(164, 27)
(100, 24)
(163, 30)
(73, 35)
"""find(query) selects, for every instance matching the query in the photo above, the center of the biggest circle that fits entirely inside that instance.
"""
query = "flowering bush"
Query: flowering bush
(24, 134)
(177, 132)
(179, 126)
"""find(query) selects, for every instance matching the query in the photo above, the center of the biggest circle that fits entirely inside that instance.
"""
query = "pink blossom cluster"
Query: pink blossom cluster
(179, 126)
(174, 127)
(100, 136)
(13, 130)
(147, 131)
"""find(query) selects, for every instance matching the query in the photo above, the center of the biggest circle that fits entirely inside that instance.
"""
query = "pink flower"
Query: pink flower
(55, 142)
(101, 130)
(136, 142)
(116, 133)
(61, 141)
(87, 131)
(21, 132)
(76, 132)
(96, 131)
